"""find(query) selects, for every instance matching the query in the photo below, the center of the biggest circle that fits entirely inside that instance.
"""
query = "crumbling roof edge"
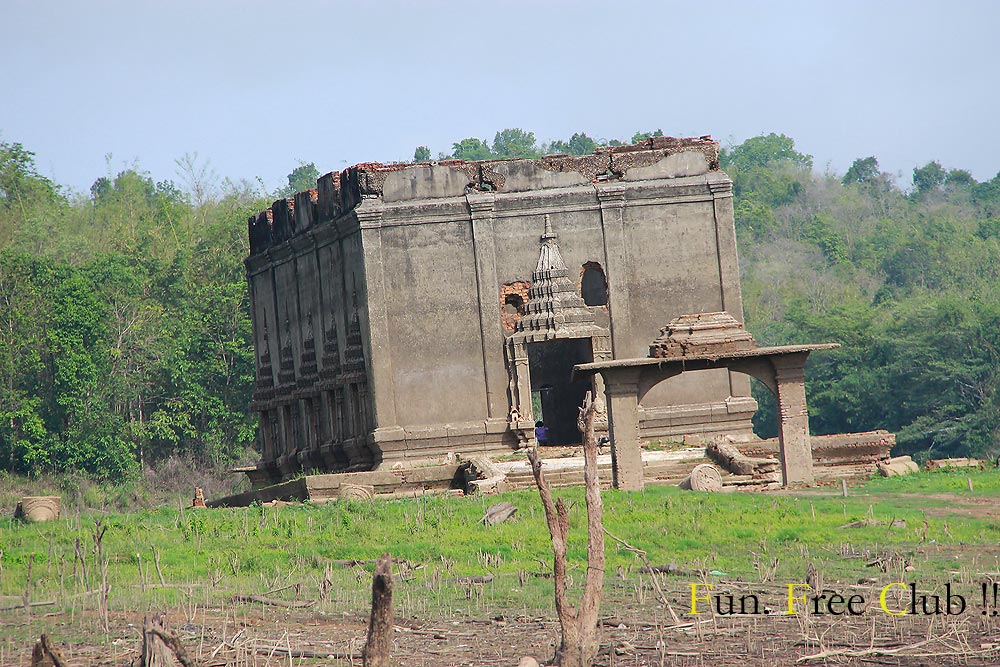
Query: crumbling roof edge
(338, 193)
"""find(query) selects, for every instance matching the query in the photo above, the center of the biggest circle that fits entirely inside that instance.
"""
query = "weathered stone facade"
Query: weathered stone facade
(402, 312)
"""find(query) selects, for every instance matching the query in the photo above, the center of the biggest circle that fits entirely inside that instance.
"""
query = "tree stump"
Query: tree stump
(160, 645)
(704, 477)
(378, 648)
(46, 655)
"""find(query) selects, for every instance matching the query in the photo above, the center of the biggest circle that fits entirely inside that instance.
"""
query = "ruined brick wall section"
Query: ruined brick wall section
(338, 193)
(513, 292)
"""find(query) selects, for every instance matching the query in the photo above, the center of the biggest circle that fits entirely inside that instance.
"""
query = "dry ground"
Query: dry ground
(634, 633)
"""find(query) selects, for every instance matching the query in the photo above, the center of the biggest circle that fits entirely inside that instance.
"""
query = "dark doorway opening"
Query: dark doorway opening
(555, 397)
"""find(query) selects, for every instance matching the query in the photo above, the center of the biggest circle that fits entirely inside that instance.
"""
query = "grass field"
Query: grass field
(192, 561)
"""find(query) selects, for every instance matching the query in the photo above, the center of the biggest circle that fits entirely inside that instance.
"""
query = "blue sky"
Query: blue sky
(256, 87)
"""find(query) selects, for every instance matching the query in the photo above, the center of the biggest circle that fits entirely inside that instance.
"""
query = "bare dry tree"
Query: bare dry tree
(378, 648)
(579, 626)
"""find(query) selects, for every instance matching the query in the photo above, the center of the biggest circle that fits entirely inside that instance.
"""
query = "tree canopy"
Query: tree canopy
(302, 178)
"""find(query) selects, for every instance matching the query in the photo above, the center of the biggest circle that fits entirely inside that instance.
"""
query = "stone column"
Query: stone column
(729, 269)
(612, 200)
(601, 347)
(379, 353)
(519, 352)
(793, 419)
(331, 448)
(622, 389)
(487, 292)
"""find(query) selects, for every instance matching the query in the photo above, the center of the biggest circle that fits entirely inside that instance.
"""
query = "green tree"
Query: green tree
(302, 178)
(643, 136)
(765, 150)
(986, 195)
(25, 442)
(863, 170)
(422, 154)
(20, 182)
(928, 178)
(578, 144)
(754, 218)
(515, 142)
(960, 178)
(471, 149)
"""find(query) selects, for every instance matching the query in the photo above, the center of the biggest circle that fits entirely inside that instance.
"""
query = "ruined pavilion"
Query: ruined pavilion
(697, 343)
(405, 312)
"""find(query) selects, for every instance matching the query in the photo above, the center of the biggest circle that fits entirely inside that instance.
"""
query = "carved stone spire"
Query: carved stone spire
(549, 258)
(286, 363)
(554, 309)
(307, 360)
(265, 372)
(354, 352)
(331, 350)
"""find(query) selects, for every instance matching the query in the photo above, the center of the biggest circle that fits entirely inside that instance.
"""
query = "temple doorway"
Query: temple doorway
(555, 397)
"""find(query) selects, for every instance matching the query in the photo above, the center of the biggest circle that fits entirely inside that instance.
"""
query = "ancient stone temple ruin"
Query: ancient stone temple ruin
(405, 312)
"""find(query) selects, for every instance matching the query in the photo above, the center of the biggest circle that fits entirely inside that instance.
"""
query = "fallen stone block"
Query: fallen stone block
(894, 467)
(938, 464)
(498, 513)
(35, 509)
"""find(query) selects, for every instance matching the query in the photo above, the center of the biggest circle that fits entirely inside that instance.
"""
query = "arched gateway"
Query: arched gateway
(707, 341)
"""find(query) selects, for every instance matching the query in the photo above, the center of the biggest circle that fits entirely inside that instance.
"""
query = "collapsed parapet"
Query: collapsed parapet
(338, 193)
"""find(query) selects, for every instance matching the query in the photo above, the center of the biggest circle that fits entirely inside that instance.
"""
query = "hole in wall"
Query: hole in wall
(593, 284)
(513, 297)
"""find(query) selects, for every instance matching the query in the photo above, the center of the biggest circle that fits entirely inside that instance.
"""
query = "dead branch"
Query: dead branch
(30, 605)
(260, 599)
(882, 651)
(653, 571)
(672, 568)
(307, 653)
(156, 561)
(378, 648)
(477, 579)
(579, 627)
(594, 585)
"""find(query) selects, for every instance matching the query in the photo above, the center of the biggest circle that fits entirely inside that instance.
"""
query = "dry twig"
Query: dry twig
(579, 627)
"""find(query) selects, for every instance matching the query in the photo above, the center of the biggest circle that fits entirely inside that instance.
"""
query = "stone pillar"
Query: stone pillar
(729, 268)
(487, 291)
(519, 351)
(315, 455)
(267, 437)
(622, 389)
(793, 420)
(331, 449)
(379, 353)
(601, 347)
(725, 239)
(612, 200)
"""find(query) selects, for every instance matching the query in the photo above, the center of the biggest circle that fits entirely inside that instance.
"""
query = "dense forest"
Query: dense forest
(125, 335)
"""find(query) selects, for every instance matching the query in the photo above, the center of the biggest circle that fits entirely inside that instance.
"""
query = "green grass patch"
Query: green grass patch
(207, 555)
